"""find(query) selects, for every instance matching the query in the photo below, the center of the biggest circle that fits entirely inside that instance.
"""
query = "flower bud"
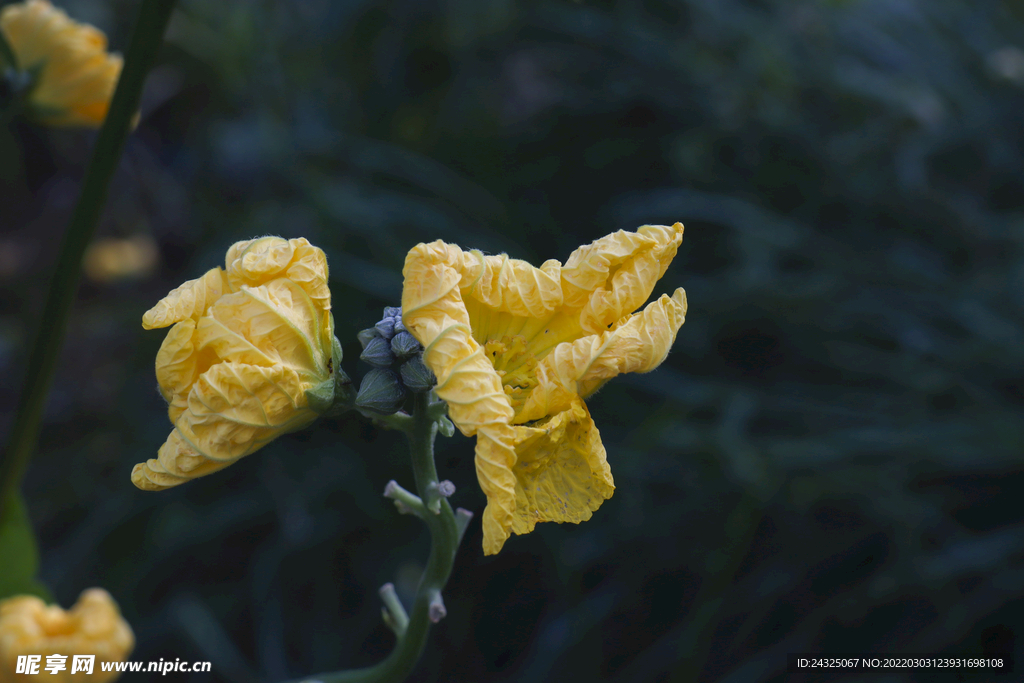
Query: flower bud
(404, 345)
(417, 376)
(94, 626)
(386, 328)
(365, 336)
(377, 352)
(380, 392)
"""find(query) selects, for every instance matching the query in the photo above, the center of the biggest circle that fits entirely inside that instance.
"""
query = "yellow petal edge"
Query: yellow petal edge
(517, 348)
(245, 344)
(75, 76)
(94, 626)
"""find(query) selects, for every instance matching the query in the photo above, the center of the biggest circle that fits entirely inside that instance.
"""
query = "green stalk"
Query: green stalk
(146, 40)
(445, 535)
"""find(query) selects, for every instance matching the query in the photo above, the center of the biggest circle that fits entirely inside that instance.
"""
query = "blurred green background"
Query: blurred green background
(829, 461)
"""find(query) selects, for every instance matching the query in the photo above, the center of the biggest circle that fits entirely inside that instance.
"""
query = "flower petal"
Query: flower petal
(511, 286)
(613, 276)
(177, 366)
(495, 458)
(258, 261)
(234, 409)
(189, 301)
(264, 325)
(434, 312)
(309, 270)
(561, 470)
(639, 344)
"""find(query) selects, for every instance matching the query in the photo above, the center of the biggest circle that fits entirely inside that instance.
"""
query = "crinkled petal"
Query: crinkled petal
(257, 262)
(234, 409)
(639, 344)
(561, 470)
(495, 458)
(275, 323)
(511, 286)
(151, 476)
(176, 462)
(613, 276)
(309, 270)
(433, 311)
(555, 470)
(189, 301)
(179, 362)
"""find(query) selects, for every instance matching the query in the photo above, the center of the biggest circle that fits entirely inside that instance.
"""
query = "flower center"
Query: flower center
(515, 366)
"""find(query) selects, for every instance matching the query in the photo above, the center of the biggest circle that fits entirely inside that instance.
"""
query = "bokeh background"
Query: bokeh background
(829, 461)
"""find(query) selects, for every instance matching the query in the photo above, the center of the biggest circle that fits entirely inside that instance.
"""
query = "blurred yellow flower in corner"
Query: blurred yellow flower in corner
(94, 626)
(516, 349)
(74, 76)
(245, 345)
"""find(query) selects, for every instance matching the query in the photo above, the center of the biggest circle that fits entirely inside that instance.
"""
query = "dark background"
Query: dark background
(829, 461)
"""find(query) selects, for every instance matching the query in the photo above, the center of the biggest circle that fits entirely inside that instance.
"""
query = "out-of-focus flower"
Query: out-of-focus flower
(94, 626)
(110, 259)
(516, 349)
(247, 344)
(73, 75)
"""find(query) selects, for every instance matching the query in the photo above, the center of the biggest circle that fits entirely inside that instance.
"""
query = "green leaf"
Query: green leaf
(19, 557)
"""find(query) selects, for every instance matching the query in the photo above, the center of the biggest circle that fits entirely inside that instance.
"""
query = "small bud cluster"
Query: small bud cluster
(397, 360)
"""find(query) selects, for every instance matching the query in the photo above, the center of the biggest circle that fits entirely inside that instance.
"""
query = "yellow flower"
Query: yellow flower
(516, 349)
(94, 626)
(74, 75)
(245, 347)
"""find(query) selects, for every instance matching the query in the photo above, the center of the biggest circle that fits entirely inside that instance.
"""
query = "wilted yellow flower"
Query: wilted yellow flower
(94, 626)
(74, 76)
(516, 349)
(245, 346)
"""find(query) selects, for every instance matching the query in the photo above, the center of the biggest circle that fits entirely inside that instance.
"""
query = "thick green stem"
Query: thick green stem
(46, 345)
(420, 428)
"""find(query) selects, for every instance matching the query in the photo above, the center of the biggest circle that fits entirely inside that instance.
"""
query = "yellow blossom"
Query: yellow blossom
(94, 626)
(516, 349)
(246, 344)
(74, 76)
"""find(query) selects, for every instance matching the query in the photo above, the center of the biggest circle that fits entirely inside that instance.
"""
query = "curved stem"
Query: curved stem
(420, 428)
(146, 40)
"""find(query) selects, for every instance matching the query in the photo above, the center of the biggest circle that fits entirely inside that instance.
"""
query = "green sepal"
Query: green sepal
(321, 397)
(344, 393)
(19, 557)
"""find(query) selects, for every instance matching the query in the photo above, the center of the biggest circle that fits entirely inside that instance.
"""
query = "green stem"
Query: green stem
(146, 40)
(420, 429)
